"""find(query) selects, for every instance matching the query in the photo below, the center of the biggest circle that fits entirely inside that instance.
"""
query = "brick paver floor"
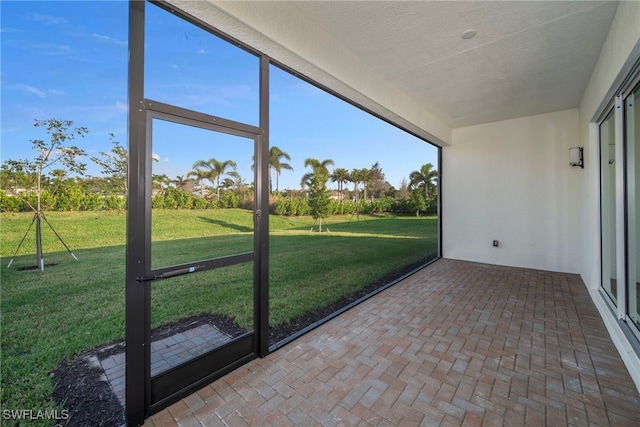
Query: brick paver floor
(458, 343)
(166, 353)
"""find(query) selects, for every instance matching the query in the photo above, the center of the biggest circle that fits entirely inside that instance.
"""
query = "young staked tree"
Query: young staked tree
(319, 196)
(55, 154)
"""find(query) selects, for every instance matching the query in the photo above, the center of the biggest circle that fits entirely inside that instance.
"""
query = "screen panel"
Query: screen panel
(202, 206)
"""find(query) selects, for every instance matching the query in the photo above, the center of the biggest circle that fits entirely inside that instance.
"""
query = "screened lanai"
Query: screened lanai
(504, 90)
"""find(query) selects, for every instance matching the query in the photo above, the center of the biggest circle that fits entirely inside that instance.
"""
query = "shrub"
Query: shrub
(280, 207)
(91, 202)
(229, 199)
(114, 202)
(199, 203)
(303, 207)
(11, 203)
(157, 202)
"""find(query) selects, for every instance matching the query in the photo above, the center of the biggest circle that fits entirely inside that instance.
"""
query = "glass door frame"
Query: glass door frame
(630, 202)
(146, 395)
(625, 194)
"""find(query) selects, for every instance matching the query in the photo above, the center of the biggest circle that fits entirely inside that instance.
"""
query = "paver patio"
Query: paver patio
(458, 343)
(166, 353)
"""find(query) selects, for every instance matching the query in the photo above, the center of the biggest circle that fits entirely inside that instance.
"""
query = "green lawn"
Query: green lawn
(74, 306)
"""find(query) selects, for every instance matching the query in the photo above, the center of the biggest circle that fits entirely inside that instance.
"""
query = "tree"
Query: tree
(356, 178)
(55, 152)
(215, 169)
(275, 163)
(403, 192)
(239, 185)
(314, 164)
(425, 179)
(114, 165)
(199, 176)
(159, 181)
(182, 183)
(319, 196)
(365, 177)
(340, 175)
(378, 184)
(418, 202)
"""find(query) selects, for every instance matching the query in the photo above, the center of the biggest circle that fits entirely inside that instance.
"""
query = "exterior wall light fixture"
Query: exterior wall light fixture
(575, 157)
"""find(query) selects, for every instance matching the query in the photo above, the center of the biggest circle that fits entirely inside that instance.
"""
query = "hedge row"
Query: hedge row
(77, 199)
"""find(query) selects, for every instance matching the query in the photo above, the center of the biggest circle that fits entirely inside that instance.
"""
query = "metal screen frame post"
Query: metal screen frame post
(137, 317)
(262, 190)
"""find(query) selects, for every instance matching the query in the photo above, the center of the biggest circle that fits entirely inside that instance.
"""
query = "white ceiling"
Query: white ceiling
(527, 57)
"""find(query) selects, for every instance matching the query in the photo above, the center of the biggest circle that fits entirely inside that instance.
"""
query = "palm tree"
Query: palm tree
(365, 177)
(340, 175)
(239, 185)
(180, 182)
(425, 178)
(58, 174)
(160, 181)
(275, 163)
(220, 168)
(314, 164)
(228, 183)
(199, 176)
(215, 169)
(356, 177)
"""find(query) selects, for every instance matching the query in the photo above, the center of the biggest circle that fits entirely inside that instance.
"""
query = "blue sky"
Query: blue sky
(68, 60)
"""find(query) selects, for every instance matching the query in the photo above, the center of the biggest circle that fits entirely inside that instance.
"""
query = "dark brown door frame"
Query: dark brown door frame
(145, 395)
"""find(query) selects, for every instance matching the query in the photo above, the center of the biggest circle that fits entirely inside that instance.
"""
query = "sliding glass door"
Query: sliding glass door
(632, 139)
(620, 204)
(608, 205)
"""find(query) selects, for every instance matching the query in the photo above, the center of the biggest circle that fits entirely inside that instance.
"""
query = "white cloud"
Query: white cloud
(108, 39)
(55, 92)
(50, 48)
(30, 89)
(201, 52)
(10, 30)
(48, 19)
(121, 106)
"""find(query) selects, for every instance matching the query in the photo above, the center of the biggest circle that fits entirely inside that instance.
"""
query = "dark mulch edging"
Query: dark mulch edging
(89, 398)
(85, 393)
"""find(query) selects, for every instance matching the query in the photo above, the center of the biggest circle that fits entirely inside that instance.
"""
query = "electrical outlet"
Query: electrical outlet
(495, 243)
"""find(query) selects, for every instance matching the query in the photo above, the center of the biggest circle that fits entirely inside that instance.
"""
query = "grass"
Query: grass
(73, 306)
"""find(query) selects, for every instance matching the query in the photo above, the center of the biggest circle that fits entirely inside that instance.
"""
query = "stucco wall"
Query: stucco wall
(511, 181)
